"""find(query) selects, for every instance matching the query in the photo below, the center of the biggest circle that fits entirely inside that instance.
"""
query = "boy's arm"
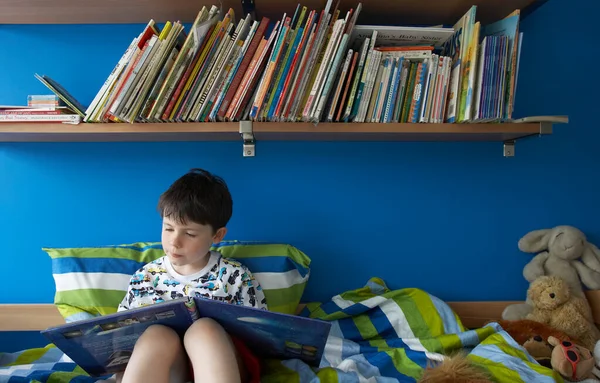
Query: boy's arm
(251, 292)
(126, 302)
(129, 296)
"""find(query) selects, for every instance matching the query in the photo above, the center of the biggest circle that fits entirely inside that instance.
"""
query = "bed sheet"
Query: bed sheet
(378, 335)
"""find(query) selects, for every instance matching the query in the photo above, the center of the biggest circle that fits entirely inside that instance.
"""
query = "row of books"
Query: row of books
(312, 66)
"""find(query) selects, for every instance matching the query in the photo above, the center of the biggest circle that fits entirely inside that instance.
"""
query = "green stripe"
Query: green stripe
(90, 297)
(318, 313)
(405, 298)
(275, 372)
(264, 250)
(365, 327)
(429, 312)
(401, 361)
(65, 376)
(327, 375)
(285, 296)
(460, 324)
(229, 251)
(499, 341)
(404, 364)
(450, 342)
(358, 295)
(484, 332)
(290, 308)
(497, 371)
(145, 256)
(30, 356)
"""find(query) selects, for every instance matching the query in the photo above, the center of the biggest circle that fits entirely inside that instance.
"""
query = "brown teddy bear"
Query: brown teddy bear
(573, 362)
(533, 336)
(554, 305)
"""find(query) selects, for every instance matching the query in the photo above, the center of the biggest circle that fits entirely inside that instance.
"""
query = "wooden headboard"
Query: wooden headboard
(35, 317)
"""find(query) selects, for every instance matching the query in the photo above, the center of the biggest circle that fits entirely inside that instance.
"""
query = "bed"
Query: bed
(378, 334)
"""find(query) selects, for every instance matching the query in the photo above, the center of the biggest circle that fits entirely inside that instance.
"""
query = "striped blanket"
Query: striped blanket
(378, 335)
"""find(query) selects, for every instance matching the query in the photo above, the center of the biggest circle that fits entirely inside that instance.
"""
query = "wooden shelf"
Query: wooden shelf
(393, 132)
(394, 12)
(266, 131)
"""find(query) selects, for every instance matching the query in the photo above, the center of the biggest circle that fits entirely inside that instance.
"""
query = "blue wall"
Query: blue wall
(445, 217)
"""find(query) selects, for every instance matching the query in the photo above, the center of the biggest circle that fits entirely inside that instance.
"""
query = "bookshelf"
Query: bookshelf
(140, 11)
(268, 131)
(506, 133)
(380, 12)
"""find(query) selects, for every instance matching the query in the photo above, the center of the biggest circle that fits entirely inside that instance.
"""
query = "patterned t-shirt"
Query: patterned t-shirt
(221, 279)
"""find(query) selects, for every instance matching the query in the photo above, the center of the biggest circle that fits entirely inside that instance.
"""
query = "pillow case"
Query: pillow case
(92, 281)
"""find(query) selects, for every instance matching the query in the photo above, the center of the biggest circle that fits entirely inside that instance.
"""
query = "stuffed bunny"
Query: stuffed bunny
(563, 251)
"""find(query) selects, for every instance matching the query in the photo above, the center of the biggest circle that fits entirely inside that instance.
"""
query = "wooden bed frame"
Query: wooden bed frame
(35, 317)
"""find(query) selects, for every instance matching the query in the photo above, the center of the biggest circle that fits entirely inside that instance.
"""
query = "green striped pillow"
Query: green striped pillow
(92, 281)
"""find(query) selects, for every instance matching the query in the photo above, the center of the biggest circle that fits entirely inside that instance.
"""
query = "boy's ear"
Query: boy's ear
(219, 235)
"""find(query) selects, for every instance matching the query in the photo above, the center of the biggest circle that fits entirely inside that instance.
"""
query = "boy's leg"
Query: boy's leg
(213, 354)
(158, 356)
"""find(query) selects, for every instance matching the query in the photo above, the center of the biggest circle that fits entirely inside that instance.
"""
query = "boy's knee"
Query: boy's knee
(204, 328)
(161, 336)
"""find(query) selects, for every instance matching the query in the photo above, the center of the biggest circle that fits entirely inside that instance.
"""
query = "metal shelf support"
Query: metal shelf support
(248, 141)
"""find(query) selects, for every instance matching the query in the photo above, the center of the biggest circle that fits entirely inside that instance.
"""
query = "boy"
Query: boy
(195, 210)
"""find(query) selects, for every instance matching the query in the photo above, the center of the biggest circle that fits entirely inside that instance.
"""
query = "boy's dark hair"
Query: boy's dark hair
(197, 196)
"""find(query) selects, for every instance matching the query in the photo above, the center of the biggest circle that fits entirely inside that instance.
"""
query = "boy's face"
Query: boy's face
(187, 244)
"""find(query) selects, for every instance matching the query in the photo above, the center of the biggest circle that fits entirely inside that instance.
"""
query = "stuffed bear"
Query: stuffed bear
(533, 336)
(571, 361)
(563, 251)
(554, 305)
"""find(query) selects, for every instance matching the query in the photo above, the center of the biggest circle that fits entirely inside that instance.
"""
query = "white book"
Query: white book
(366, 99)
(371, 115)
(133, 96)
(385, 87)
(64, 118)
(428, 93)
(445, 91)
(134, 77)
(403, 35)
(332, 44)
(393, 89)
(479, 83)
(110, 80)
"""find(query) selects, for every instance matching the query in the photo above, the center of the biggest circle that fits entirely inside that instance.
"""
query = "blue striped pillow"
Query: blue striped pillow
(92, 281)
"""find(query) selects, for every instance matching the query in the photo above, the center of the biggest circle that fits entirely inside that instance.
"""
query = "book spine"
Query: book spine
(241, 71)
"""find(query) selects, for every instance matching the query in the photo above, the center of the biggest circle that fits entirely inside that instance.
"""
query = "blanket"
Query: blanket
(378, 335)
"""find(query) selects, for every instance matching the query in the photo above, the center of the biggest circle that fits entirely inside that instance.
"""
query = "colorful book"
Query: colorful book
(103, 345)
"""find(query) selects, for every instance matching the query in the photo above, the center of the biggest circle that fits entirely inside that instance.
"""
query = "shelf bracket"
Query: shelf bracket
(545, 128)
(509, 148)
(247, 138)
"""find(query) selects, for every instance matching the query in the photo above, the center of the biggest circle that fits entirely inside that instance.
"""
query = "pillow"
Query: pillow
(92, 281)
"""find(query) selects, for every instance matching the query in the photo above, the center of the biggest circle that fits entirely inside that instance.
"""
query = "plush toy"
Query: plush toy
(562, 251)
(571, 361)
(554, 305)
(533, 336)
(455, 368)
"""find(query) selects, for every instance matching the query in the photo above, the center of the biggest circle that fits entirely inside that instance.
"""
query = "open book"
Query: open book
(103, 345)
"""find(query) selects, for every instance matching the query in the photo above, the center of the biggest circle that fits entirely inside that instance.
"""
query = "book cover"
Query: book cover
(457, 49)
(103, 345)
